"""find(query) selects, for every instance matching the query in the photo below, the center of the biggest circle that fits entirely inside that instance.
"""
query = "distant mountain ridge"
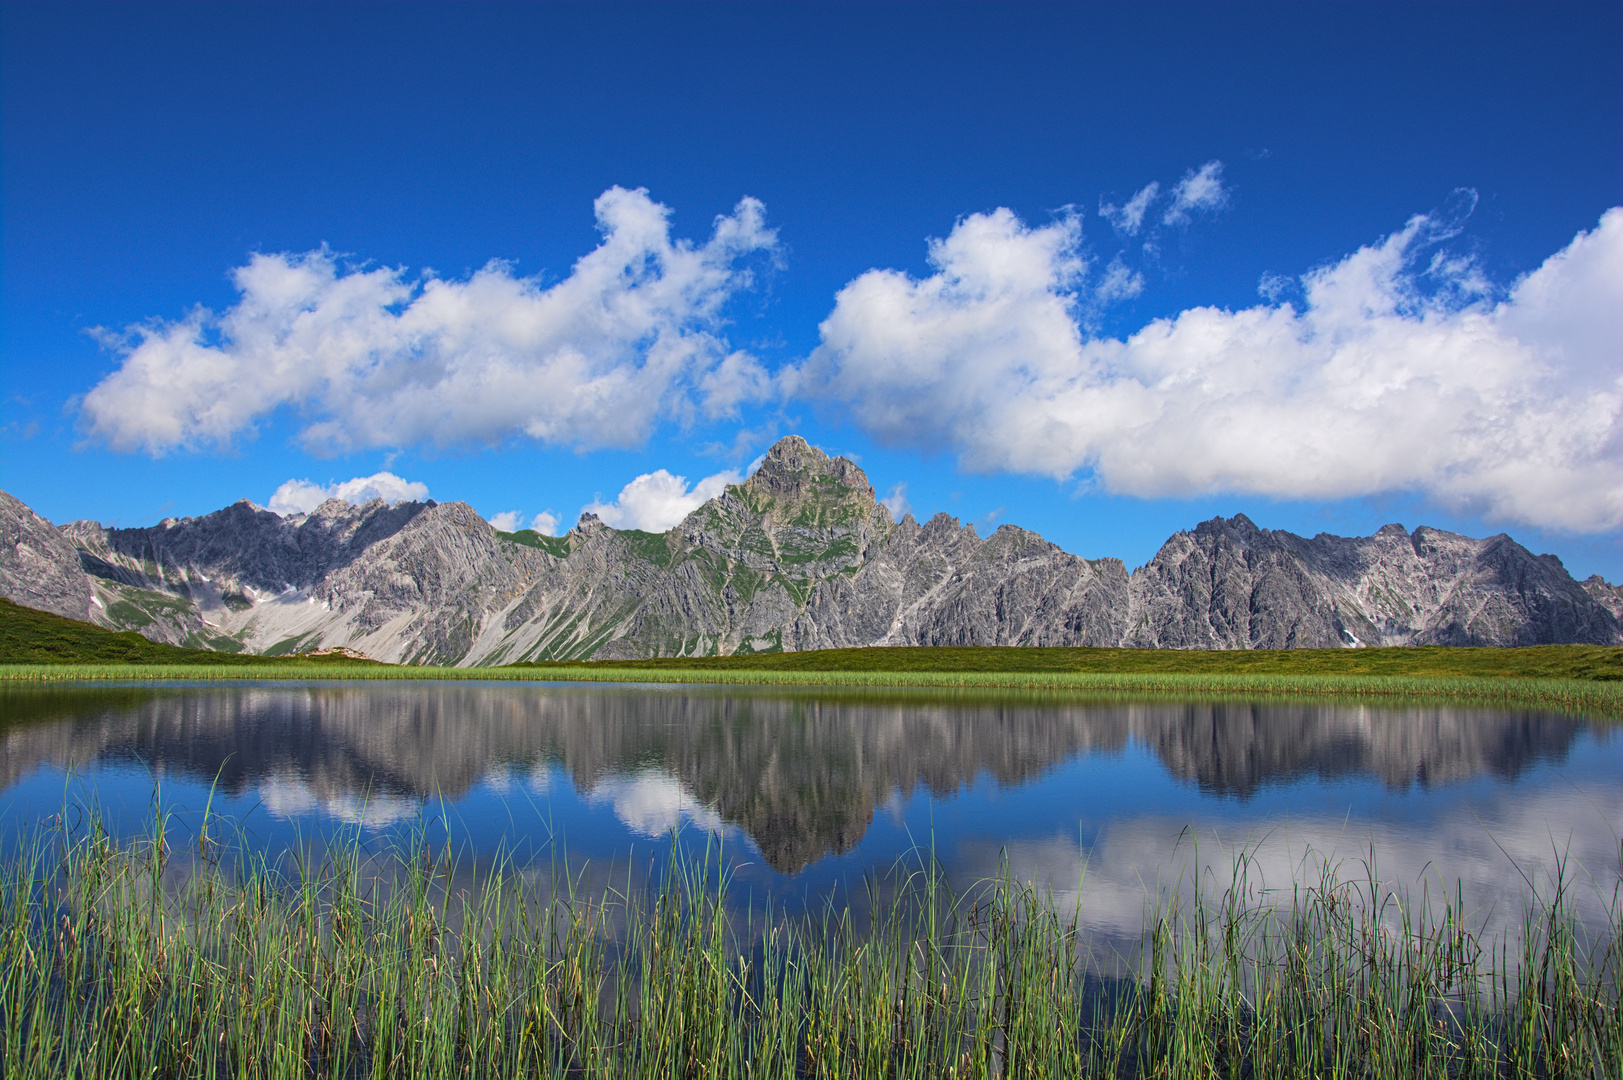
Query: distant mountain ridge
(799, 556)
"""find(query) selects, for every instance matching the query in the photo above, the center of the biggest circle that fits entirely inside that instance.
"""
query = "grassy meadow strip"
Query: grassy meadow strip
(1599, 662)
(1588, 696)
(365, 965)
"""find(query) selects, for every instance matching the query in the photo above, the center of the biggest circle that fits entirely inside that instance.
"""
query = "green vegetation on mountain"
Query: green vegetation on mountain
(556, 546)
(29, 636)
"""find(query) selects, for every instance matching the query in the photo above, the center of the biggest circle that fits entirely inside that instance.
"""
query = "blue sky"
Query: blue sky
(1100, 271)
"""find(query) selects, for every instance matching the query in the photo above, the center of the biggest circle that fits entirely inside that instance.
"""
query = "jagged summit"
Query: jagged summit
(798, 482)
(793, 466)
(798, 485)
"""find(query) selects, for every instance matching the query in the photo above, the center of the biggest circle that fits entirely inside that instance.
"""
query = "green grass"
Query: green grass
(118, 961)
(1592, 698)
(1590, 662)
(40, 639)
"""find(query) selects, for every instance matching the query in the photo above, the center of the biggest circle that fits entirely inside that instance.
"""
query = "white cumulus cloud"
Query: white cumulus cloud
(651, 804)
(1383, 378)
(546, 522)
(629, 338)
(301, 496)
(657, 501)
(1118, 283)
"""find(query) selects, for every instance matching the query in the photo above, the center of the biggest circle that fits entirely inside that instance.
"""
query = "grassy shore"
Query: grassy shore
(1593, 698)
(356, 966)
(1585, 662)
(36, 646)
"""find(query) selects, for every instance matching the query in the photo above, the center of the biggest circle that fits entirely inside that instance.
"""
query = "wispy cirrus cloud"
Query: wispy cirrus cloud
(1129, 216)
(1392, 373)
(1200, 190)
(631, 337)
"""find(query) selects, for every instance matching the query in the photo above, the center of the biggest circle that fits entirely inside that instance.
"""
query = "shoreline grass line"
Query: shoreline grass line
(1591, 696)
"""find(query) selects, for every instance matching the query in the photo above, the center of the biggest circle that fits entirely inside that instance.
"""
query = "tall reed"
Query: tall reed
(141, 959)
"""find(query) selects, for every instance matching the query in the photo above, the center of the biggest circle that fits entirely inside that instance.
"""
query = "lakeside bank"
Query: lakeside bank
(1600, 699)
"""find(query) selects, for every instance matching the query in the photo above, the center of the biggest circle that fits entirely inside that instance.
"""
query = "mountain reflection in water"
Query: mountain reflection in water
(800, 773)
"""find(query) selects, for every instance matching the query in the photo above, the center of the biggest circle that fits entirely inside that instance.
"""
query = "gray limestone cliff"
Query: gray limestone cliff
(1231, 585)
(39, 567)
(798, 556)
(1606, 595)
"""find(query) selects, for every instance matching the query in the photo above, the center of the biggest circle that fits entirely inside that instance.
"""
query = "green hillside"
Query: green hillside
(28, 636)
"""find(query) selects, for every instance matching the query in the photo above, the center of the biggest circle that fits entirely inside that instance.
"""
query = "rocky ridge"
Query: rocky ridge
(798, 556)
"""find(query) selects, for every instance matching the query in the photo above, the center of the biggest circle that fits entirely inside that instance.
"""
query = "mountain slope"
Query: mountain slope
(31, 636)
(798, 556)
(38, 565)
(1231, 585)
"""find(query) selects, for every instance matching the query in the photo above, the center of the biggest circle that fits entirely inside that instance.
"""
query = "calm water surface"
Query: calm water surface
(812, 792)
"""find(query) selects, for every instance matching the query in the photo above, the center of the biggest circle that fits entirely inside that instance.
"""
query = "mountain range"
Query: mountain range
(800, 555)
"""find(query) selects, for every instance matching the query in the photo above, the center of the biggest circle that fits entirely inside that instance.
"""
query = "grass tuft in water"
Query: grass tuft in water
(133, 959)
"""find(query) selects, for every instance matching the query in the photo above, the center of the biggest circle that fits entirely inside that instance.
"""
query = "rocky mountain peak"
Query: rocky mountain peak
(942, 522)
(794, 469)
(1239, 529)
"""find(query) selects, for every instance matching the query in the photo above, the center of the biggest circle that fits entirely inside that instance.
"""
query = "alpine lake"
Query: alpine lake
(811, 800)
(470, 879)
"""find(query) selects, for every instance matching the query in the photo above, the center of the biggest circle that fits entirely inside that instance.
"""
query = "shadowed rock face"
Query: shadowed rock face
(38, 565)
(242, 547)
(798, 556)
(802, 774)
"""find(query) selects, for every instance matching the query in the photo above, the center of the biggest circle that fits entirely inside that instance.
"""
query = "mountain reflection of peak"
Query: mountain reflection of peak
(800, 772)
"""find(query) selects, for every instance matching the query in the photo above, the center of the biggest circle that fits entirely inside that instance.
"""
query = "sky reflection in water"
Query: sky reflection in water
(811, 790)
